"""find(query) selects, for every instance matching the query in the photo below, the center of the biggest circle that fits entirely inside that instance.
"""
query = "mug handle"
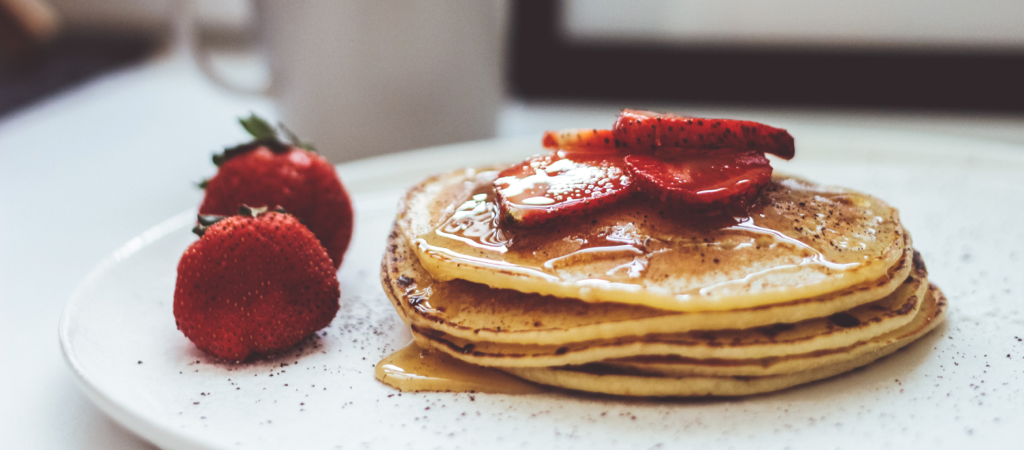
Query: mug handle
(188, 39)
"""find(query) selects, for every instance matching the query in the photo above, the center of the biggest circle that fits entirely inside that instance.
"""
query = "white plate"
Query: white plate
(961, 385)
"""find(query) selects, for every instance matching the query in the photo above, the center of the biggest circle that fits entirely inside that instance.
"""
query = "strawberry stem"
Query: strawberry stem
(246, 210)
(209, 219)
(264, 135)
(205, 222)
(257, 127)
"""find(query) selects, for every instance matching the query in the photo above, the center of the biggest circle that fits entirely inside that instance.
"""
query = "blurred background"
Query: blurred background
(110, 109)
(460, 70)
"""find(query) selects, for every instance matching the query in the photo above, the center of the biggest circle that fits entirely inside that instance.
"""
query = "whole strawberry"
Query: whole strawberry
(253, 284)
(271, 172)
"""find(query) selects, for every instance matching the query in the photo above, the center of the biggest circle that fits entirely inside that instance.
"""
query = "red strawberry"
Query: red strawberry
(582, 139)
(701, 181)
(560, 185)
(254, 284)
(646, 129)
(269, 172)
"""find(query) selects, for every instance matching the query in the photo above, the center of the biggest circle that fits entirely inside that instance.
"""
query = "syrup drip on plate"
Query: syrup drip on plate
(414, 369)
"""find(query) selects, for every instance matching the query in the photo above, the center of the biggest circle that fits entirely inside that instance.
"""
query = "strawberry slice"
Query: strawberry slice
(645, 129)
(560, 185)
(588, 140)
(700, 181)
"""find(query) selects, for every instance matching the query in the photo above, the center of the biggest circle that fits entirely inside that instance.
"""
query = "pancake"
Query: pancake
(477, 312)
(606, 380)
(843, 329)
(800, 241)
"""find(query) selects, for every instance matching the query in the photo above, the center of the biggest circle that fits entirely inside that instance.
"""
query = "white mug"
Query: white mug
(364, 77)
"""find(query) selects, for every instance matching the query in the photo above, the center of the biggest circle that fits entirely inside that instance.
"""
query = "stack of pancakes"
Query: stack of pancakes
(635, 300)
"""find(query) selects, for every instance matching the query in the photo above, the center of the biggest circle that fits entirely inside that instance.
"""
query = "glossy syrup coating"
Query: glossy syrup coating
(254, 286)
(798, 240)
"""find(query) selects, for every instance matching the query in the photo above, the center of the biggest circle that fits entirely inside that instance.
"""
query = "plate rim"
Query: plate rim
(428, 159)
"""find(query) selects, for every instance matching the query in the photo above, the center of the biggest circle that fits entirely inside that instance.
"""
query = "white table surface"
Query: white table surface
(86, 170)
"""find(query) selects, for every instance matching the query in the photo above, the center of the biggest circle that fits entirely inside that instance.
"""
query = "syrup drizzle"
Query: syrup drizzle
(475, 222)
(474, 236)
(816, 258)
(586, 253)
(413, 369)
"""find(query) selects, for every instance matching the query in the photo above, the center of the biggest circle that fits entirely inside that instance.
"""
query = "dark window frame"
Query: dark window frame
(544, 65)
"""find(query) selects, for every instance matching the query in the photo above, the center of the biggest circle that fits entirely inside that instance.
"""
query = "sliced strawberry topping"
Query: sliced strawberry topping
(692, 164)
(645, 129)
(700, 181)
(547, 187)
(582, 139)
